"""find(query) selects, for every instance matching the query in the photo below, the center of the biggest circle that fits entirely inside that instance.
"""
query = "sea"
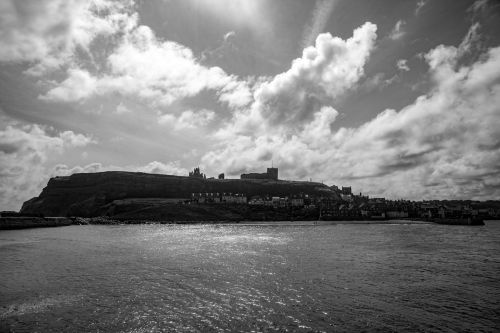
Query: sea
(251, 278)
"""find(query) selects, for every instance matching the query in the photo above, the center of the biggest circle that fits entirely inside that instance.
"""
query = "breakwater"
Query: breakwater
(23, 222)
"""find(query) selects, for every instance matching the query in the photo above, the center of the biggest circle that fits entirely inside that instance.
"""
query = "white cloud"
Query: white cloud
(471, 41)
(122, 109)
(228, 36)
(321, 13)
(170, 168)
(325, 71)
(444, 145)
(237, 94)
(167, 119)
(419, 6)
(188, 119)
(24, 152)
(379, 81)
(398, 31)
(160, 72)
(47, 32)
(77, 86)
(142, 66)
(402, 65)
(478, 6)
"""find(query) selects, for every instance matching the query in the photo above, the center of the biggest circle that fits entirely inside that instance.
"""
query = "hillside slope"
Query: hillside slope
(87, 194)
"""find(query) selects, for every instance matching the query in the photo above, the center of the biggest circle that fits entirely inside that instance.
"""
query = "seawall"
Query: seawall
(8, 223)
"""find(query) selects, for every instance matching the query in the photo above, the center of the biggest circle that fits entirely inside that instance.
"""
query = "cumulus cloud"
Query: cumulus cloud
(46, 33)
(324, 72)
(402, 65)
(24, 152)
(79, 85)
(236, 94)
(160, 72)
(188, 119)
(122, 109)
(142, 66)
(398, 31)
(170, 168)
(445, 144)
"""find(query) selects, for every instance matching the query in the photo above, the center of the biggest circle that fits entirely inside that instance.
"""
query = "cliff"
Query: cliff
(90, 194)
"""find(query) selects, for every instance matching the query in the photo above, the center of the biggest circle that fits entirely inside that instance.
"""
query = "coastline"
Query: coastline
(12, 223)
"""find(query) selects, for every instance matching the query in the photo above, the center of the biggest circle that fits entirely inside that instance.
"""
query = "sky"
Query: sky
(398, 99)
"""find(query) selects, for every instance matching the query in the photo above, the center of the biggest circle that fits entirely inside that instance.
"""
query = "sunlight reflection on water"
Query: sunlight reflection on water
(145, 278)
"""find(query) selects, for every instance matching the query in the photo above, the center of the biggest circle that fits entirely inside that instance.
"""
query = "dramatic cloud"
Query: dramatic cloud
(236, 94)
(92, 56)
(46, 33)
(25, 154)
(445, 144)
(324, 72)
(140, 65)
(398, 30)
(176, 73)
(24, 151)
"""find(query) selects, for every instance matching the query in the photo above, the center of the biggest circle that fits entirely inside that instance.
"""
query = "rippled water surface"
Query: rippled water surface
(340, 278)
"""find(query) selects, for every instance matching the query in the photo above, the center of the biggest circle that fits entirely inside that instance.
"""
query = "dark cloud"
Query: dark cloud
(8, 148)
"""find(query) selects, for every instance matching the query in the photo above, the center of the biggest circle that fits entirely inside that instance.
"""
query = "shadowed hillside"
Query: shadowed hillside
(87, 194)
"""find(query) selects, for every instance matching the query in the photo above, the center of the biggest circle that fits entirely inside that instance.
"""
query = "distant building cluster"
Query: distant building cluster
(209, 197)
(350, 206)
(256, 200)
(272, 173)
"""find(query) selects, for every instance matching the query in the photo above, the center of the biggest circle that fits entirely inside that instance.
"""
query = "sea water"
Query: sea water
(233, 278)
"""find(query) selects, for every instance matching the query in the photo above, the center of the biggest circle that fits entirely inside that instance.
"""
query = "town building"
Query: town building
(207, 197)
(279, 202)
(272, 173)
(231, 198)
(297, 201)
